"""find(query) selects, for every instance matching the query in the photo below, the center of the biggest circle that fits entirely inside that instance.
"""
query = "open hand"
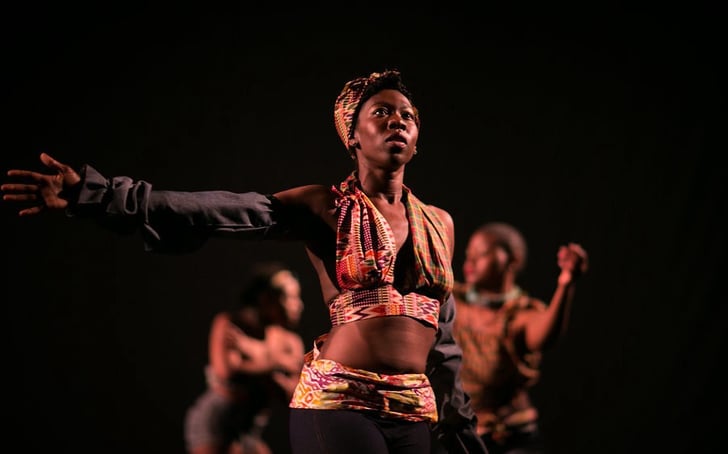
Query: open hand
(44, 191)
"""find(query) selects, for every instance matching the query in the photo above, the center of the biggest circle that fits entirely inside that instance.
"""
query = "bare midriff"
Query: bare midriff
(386, 345)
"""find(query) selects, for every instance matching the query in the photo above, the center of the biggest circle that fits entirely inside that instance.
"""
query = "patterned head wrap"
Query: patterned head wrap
(356, 92)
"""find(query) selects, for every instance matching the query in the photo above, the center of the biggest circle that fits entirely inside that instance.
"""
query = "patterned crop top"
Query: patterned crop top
(366, 255)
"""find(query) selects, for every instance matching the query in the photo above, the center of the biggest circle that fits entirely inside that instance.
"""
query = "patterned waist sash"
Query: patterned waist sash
(329, 385)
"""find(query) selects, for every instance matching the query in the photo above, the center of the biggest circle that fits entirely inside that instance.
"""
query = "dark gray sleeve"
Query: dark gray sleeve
(456, 428)
(175, 221)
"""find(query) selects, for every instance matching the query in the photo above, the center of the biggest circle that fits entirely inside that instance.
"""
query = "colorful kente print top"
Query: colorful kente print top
(366, 255)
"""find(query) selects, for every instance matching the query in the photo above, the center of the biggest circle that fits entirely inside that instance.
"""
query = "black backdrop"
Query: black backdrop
(595, 129)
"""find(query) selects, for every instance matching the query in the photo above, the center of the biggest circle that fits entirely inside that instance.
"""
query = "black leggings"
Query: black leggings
(355, 432)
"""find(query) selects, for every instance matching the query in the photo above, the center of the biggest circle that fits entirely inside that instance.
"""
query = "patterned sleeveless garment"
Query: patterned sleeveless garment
(365, 259)
(494, 372)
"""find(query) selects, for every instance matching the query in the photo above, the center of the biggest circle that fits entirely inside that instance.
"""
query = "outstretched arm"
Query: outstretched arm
(542, 329)
(169, 221)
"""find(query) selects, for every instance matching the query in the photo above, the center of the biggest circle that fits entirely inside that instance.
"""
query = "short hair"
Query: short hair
(510, 239)
(260, 282)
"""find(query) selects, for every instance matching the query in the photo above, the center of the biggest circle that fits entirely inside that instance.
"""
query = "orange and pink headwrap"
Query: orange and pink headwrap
(355, 92)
